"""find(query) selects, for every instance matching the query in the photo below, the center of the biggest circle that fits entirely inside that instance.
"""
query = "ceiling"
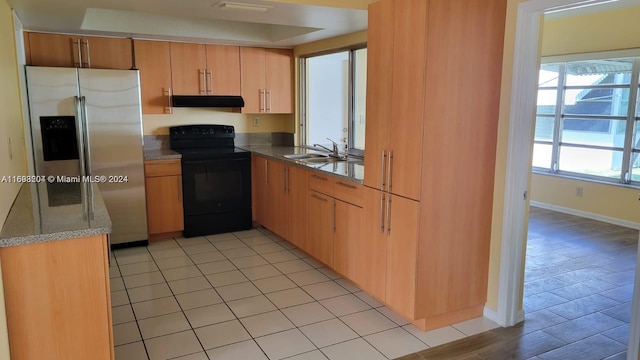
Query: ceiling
(284, 23)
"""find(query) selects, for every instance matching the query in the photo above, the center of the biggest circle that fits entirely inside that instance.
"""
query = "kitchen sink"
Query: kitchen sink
(329, 159)
(304, 157)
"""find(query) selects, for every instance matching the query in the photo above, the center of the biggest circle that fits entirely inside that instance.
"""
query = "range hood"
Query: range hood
(227, 101)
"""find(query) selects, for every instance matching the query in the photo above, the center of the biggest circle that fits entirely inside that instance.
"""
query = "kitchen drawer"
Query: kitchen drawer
(321, 183)
(349, 192)
(162, 167)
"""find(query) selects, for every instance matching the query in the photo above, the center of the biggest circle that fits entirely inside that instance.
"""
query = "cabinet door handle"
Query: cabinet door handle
(346, 185)
(288, 180)
(209, 85)
(79, 52)
(333, 217)
(382, 213)
(284, 173)
(87, 53)
(179, 180)
(319, 198)
(389, 215)
(263, 100)
(203, 81)
(382, 167)
(319, 178)
(266, 171)
(269, 106)
(389, 169)
(167, 92)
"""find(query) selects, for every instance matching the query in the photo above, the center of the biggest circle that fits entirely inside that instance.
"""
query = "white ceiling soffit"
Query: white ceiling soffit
(154, 25)
(283, 24)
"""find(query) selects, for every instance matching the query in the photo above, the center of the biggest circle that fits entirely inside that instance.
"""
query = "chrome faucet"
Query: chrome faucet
(335, 152)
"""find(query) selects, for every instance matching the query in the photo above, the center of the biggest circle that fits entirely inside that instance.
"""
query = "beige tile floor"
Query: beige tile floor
(251, 295)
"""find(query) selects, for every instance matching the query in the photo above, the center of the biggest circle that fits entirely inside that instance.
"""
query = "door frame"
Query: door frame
(518, 167)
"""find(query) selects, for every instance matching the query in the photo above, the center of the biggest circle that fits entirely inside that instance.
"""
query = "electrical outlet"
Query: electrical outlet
(256, 121)
(579, 191)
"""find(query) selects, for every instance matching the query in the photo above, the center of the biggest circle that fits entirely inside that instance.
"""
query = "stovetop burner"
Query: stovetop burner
(204, 136)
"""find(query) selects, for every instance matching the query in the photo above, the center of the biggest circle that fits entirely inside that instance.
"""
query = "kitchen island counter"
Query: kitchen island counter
(55, 211)
(349, 170)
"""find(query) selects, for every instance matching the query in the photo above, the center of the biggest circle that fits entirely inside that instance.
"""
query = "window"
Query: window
(334, 98)
(587, 119)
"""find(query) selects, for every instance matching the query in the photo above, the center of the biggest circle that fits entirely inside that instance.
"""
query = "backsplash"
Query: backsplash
(156, 142)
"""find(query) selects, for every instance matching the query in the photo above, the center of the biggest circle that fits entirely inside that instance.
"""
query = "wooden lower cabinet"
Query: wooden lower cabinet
(279, 198)
(349, 242)
(389, 259)
(319, 242)
(163, 182)
(259, 189)
(57, 298)
(298, 219)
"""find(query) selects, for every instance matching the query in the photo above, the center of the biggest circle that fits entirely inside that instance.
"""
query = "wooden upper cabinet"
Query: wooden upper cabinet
(267, 80)
(108, 53)
(188, 68)
(279, 80)
(407, 99)
(379, 87)
(395, 95)
(153, 59)
(199, 69)
(79, 51)
(223, 65)
(253, 79)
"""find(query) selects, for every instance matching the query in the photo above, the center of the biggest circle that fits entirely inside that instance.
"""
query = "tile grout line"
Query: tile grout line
(262, 293)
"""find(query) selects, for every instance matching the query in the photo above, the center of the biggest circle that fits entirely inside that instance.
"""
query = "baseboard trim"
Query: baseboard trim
(493, 315)
(588, 215)
(490, 314)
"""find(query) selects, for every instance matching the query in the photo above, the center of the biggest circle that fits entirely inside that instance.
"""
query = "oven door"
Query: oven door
(216, 185)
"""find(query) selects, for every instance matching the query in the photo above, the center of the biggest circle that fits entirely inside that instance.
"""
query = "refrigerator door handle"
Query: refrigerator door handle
(85, 130)
(80, 134)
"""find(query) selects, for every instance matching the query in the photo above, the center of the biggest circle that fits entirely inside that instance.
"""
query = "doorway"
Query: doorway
(527, 16)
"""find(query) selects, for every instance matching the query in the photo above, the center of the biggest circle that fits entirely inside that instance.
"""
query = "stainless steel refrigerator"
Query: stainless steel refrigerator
(88, 122)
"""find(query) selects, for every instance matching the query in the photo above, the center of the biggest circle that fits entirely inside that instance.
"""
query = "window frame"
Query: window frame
(631, 119)
(303, 96)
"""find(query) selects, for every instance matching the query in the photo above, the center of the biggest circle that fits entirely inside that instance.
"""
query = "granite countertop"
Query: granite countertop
(55, 211)
(352, 170)
(161, 154)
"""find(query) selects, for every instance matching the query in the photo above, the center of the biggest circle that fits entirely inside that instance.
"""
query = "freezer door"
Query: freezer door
(52, 94)
(111, 103)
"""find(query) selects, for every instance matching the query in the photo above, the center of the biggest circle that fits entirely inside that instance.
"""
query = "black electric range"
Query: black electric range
(216, 179)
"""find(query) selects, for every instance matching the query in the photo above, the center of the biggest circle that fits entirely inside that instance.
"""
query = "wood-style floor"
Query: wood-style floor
(578, 290)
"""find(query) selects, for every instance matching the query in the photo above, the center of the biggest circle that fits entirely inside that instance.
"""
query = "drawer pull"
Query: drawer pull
(347, 185)
(318, 197)
(319, 178)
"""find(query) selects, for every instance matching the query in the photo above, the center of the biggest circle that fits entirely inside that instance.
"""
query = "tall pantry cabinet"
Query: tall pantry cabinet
(433, 87)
